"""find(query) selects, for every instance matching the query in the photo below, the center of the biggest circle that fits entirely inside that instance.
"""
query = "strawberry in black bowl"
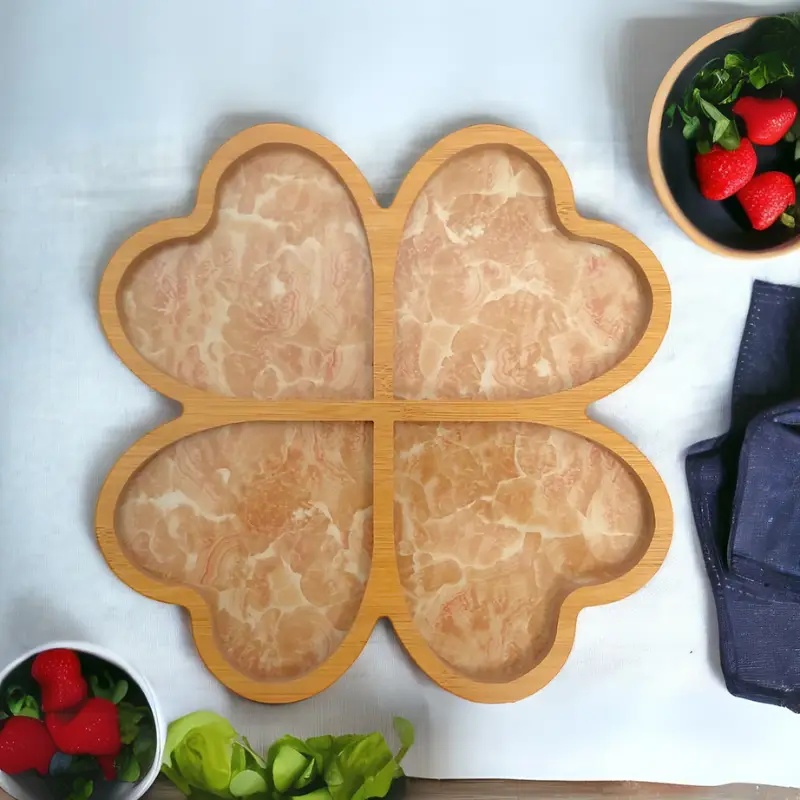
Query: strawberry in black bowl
(723, 138)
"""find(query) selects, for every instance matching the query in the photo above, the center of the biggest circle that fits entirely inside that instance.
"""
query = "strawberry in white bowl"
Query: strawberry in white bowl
(77, 723)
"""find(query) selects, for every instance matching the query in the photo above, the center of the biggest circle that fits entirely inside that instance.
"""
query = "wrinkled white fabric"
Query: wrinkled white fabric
(108, 111)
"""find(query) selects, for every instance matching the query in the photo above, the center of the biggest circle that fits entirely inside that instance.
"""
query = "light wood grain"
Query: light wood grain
(557, 790)
(552, 790)
(654, 150)
(566, 410)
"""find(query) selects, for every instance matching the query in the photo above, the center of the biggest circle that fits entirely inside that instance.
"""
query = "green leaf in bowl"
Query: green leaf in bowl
(128, 767)
(21, 704)
(108, 688)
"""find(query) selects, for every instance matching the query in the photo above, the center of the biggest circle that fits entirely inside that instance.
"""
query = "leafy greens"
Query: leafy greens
(205, 756)
(704, 107)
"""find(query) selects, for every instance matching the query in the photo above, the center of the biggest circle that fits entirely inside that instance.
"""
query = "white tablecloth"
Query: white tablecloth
(108, 111)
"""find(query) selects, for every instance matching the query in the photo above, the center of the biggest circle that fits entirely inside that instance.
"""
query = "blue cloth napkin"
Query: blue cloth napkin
(745, 493)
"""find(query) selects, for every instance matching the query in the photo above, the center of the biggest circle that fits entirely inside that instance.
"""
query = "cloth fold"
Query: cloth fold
(745, 493)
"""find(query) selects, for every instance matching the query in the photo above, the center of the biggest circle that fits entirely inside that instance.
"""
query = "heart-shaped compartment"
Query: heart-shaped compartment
(494, 300)
(272, 523)
(495, 524)
(384, 414)
(273, 300)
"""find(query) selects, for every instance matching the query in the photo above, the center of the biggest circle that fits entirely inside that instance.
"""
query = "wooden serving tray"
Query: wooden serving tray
(384, 414)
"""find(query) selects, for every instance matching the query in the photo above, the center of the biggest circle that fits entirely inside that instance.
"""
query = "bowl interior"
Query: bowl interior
(94, 661)
(723, 222)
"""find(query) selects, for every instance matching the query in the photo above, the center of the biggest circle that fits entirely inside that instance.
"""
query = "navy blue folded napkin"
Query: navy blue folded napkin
(745, 493)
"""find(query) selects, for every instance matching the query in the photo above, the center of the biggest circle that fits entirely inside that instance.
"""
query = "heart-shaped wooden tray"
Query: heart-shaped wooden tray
(384, 414)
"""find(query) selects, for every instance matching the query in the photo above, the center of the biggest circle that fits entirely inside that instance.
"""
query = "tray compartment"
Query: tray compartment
(274, 299)
(494, 299)
(495, 524)
(272, 523)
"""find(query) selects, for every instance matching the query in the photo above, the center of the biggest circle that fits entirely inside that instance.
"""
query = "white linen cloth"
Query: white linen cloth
(107, 113)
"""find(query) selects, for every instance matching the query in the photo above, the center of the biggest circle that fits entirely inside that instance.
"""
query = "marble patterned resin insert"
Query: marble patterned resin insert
(274, 301)
(493, 300)
(272, 523)
(495, 523)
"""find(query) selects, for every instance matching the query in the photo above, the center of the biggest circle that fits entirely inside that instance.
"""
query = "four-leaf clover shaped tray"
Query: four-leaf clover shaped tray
(384, 413)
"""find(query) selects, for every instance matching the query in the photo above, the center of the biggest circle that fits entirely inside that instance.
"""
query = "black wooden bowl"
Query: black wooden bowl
(722, 227)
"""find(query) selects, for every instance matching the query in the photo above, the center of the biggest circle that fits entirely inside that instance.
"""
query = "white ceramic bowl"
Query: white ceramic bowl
(33, 787)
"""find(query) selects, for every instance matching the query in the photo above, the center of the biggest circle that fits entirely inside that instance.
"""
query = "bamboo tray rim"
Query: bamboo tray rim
(565, 410)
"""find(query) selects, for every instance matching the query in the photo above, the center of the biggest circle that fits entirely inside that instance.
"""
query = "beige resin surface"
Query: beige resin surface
(495, 523)
(384, 414)
(275, 302)
(272, 521)
(494, 301)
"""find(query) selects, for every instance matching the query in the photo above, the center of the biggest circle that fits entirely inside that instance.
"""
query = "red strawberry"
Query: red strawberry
(92, 730)
(58, 673)
(768, 121)
(721, 173)
(25, 744)
(766, 197)
(107, 767)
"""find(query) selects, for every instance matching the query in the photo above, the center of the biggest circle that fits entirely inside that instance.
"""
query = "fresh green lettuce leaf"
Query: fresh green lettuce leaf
(204, 760)
(178, 730)
(288, 766)
(405, 733)
(205, 757)
(248, 783)
(363, 768)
